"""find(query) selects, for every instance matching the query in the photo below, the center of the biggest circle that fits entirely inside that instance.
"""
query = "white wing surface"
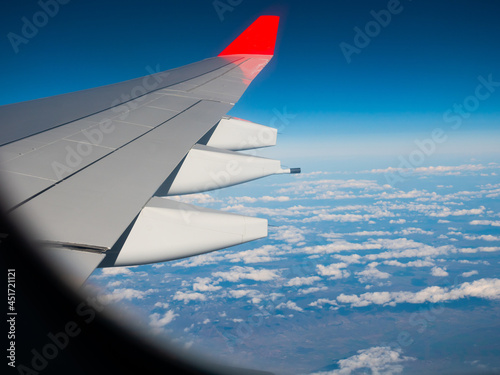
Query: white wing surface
(92, 168)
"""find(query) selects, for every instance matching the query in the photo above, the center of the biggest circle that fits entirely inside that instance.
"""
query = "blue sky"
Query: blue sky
(397, 88)
(358, 239)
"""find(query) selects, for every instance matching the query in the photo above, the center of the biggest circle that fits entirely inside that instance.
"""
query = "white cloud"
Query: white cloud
(342, 218)
(240, 293)
(483, 237)
(469, 274)
(259, 255)
(466, 261)
(113, 284)
(482, 249)
(349, 259)
(439, 272)
(399, 221)
(289, 305)
(254, 295)
(241, 273)
(495, 223)
(404, 248)
(341, 245)
(436, 170)
(447, 212)
(292, 211)
(371, 273)
(313, 289)
(379, 360)
(333, 271)
(315, 187)
(415, 263)
(203, 284)
(323, 301)
(370, 233)
(189, 296)
(162, 305)
(331, 236)
(126, 293)
(115, 271)
(267, 198)
(374, 212)
(395, 248)
(483, 288)
(289, 234)
(299, 281)
(156, 321)
(410, 230)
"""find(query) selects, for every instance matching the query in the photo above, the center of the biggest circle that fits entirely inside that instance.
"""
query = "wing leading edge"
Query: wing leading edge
(92, 168)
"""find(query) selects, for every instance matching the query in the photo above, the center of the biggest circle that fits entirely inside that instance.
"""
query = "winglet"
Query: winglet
(258, 39)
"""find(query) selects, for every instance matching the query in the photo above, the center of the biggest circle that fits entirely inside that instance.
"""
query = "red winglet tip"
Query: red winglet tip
(258, 39)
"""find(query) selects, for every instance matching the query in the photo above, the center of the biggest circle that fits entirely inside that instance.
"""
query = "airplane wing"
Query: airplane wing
(92, 168)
